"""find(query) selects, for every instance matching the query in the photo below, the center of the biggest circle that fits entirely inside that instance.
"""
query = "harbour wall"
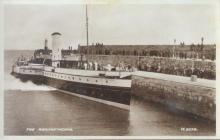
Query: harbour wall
(176, 92)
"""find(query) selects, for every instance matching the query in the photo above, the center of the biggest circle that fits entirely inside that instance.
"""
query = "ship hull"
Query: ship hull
(115, 96)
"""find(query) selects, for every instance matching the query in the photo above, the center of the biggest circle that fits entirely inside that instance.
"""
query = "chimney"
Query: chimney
(46, 44)
(56, 49)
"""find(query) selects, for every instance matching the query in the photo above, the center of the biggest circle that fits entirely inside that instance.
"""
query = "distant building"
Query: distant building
(182, 50)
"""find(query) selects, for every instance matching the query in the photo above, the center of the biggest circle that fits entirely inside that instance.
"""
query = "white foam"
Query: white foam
(12, 83)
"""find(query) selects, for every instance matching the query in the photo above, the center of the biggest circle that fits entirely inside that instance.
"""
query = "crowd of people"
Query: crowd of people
(202, 69)
(205, 69)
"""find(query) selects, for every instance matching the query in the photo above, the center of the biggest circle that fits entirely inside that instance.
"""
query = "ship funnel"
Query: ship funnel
(56, 49)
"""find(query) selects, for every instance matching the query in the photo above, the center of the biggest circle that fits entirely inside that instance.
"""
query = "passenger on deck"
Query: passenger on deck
(96, 66)
(90, 65)
(85, 66)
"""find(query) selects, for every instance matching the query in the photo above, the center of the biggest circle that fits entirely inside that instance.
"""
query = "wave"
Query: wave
(12, 83)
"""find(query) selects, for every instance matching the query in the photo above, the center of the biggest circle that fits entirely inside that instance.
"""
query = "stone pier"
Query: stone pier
(195, 97)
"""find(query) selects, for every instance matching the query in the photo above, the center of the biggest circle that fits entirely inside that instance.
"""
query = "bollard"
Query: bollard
(193, 78)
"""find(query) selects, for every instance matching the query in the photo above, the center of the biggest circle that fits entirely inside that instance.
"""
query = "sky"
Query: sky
(27, 25)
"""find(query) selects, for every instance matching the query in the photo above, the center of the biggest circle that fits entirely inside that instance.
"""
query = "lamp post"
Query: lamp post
(174, 46)
(202, 39)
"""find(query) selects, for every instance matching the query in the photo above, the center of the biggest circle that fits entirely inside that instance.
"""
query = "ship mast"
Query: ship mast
(87, 36)
(87, 28)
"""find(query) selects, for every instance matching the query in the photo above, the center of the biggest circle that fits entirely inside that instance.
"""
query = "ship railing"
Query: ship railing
(84, 72)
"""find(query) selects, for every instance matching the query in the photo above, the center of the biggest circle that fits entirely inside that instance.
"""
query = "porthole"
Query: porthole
(96, 80)
(106, 81)
(72, 78)
(79, 78)
(87, 80)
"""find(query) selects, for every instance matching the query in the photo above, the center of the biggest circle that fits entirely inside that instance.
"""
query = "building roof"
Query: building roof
(56, 33)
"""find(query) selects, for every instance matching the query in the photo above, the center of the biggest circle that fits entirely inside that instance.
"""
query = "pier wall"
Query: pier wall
(176, 92)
